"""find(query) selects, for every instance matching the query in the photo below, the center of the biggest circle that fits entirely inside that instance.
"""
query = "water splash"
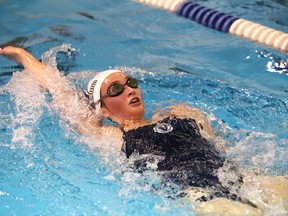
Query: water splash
(276, 64)
(259, 151)
(29, 105)
(49, 58)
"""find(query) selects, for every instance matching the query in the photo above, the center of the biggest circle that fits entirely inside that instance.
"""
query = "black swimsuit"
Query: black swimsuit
(188, 159)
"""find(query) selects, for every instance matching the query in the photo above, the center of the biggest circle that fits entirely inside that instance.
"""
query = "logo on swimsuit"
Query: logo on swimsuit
(163, 128)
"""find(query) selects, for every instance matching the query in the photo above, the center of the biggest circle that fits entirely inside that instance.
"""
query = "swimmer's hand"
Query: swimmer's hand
(32, 65)
(14, 53)
(21, 56)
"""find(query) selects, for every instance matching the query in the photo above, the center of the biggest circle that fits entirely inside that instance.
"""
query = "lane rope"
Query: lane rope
(224, 22)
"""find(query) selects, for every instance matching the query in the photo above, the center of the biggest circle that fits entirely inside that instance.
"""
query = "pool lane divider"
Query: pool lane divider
(224, 22)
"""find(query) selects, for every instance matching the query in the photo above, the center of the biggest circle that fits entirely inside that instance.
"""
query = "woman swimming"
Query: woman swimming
(181, 139)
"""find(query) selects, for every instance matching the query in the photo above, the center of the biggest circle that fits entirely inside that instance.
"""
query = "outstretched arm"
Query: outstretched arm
(21, 56)
(31, 64)
(66, 99)
(48, 78)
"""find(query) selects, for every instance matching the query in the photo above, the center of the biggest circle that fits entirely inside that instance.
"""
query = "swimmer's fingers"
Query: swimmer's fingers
(14, 53)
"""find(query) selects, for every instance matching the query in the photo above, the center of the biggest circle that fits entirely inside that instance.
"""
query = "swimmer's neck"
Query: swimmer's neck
(129, 124)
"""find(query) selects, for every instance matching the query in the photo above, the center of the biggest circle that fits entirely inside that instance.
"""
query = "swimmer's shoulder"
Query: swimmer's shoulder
(94, 128)
(203, 122)
(105, 133)
(114, 132)
(184, 111)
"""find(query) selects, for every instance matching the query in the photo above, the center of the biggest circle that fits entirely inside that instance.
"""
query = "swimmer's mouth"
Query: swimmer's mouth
(134, 101)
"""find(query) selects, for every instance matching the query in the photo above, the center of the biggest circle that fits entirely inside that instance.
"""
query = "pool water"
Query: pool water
(48, 168)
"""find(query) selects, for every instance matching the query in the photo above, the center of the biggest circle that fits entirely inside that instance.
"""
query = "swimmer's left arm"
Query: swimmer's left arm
(185, 111)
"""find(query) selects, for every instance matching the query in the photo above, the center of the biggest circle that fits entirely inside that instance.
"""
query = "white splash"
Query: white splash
(29, 104)
(49, 57)
(277, 66)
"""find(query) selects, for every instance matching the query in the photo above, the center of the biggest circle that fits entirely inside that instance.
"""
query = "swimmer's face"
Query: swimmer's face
(128, 105)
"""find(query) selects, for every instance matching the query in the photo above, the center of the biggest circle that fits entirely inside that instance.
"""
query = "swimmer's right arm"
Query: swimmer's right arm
(52, 80)
(38, 70)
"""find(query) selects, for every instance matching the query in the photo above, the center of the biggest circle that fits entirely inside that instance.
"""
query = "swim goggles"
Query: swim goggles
(118, 88)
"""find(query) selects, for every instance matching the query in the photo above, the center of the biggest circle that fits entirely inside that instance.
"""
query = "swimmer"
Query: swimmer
(179, 136)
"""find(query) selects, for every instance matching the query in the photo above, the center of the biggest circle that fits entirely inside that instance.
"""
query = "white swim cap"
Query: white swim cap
(94, 87)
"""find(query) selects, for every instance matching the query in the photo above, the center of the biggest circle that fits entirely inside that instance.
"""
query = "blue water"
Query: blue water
(47, 168)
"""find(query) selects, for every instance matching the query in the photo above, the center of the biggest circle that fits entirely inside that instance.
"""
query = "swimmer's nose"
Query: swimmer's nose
(131, 91)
